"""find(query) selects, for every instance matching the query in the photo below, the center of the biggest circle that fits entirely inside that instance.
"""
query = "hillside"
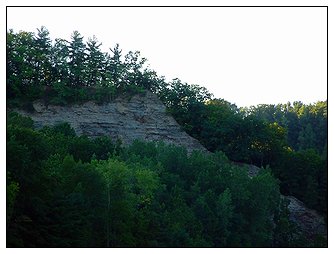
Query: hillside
(143, 117)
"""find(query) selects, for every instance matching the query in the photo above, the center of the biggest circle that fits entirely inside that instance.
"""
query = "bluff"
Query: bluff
(143, 116)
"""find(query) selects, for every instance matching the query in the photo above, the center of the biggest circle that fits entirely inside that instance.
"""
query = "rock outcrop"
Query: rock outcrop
(142, 117)
(307, 220)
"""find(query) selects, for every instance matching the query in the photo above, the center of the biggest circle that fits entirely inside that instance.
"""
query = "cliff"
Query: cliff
(142, 116)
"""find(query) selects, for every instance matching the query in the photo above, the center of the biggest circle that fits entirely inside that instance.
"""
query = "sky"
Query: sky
(247, 56)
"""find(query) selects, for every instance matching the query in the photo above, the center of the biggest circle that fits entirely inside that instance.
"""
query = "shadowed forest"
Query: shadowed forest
(65, 190)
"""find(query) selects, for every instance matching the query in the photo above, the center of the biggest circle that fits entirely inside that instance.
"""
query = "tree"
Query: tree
(116, 68)
(95, 60)
(43, 48)
(77, 60)
(60, 61)
(225, 214)
(12, 189)
(22, 66)
(306, 138)
(134, 65)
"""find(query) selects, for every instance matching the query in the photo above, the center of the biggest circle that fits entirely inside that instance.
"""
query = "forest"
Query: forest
(65, 190)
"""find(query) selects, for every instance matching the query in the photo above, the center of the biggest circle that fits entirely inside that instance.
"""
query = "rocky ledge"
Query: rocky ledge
(142, 117)
(307, 220)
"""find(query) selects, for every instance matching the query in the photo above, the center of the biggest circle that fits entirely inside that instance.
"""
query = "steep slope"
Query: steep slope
(142, 116)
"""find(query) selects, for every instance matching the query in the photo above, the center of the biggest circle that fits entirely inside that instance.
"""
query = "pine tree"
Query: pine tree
(77, 60)
(43, 48)
(116, 67)
(95, 61)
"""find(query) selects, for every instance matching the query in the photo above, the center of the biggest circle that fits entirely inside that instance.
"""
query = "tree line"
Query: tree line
(74, 71)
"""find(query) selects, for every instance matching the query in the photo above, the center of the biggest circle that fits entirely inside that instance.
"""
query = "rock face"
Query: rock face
(141, 117)
(308, 220)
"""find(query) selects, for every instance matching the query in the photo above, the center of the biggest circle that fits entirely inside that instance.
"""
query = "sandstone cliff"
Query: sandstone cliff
(141, 117)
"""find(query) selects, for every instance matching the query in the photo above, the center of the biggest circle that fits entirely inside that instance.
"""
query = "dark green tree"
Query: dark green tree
(95, 68)
(77, 60)
(43, 47)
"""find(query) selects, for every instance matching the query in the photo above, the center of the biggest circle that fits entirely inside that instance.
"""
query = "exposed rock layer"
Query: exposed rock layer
(308, 220)
(142, 116)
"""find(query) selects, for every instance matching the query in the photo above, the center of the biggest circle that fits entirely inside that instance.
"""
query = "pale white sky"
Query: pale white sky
(247, 56)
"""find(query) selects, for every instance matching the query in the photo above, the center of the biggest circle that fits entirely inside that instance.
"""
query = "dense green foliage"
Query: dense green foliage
(302, 168)
(64, 190)
(306, 125)
(292, 140)
(64, 72)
